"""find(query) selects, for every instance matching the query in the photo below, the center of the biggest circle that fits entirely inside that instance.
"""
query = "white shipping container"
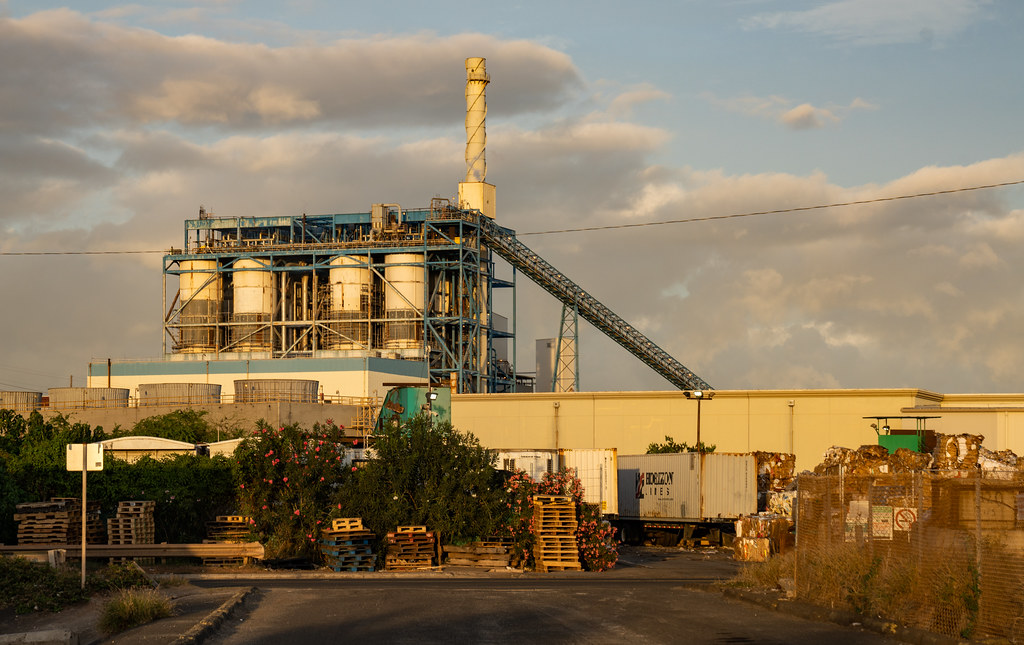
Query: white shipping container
(668, 487)
(598, 472)
(534, 462)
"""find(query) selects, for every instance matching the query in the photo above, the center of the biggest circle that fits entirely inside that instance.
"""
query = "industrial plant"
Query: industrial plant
(311, 307)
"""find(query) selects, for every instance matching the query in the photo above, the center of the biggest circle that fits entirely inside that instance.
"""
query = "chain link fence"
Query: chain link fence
(939, 550)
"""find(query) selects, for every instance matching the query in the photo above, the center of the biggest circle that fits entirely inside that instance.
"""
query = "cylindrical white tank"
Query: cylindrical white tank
(350, 302)
(276, 389)
(403, 301)
(178, 393)
(80, 398)
(22, 402)
(255, 293)
(200, 291)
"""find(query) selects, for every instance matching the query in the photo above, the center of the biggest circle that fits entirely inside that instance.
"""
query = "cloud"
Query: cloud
(908, 293)
(64, 69)
(877, 22)
(804, 116)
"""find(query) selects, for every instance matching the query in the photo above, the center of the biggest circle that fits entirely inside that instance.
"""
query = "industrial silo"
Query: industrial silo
(22, 402)
(254, 294)
(200, 293)
(83, 398)
(178, 393)
(273, 389)
(403, 301)
(349, 303)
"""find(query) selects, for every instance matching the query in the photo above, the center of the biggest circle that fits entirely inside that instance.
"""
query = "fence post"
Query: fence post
(796, 539)
(977, 539)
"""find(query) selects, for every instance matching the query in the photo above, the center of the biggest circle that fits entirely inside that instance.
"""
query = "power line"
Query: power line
(77, 252)
(773, 212)
(607, 227)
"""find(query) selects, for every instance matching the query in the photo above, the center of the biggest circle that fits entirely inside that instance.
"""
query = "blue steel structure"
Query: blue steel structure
(452, 328)
(453, 333)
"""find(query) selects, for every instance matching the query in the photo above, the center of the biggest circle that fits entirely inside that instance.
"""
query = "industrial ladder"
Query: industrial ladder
(503, 242)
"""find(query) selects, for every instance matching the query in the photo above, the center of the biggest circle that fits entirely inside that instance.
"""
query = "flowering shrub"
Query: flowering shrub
(424, 473)
(594, 536)
(286, 479)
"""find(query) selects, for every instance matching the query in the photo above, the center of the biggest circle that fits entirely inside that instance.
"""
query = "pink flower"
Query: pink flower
(284, 479)
(241, 485)
(296, 511)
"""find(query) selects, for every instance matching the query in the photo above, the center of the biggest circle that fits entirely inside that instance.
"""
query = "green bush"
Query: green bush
(286, 480)
(189, 490)
(425, 473)
(133, 607)
(670, 445)
(29, 586)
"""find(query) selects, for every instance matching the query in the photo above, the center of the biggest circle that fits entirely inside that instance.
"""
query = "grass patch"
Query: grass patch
(30, 586)
(132, 607)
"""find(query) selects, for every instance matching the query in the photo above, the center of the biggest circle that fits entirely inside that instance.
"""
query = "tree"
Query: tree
(671, 446)
(286, 480)
(425, 473)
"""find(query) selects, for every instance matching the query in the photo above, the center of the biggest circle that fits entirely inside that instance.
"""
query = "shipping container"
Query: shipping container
(597, 470)
(668, 489)
(534, 462)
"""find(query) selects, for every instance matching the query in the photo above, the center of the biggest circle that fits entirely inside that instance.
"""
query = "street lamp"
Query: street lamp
(700, 395)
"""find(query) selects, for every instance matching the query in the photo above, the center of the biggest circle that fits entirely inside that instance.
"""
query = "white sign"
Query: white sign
(903, 518)
(89, 454)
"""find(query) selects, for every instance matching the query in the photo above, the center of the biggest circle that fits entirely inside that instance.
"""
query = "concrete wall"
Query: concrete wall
(806, 422)
(243, 415)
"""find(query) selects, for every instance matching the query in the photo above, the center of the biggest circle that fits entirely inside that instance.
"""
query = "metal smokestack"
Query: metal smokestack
(476, 114)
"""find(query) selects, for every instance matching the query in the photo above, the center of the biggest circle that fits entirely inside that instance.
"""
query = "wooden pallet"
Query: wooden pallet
(347, 524)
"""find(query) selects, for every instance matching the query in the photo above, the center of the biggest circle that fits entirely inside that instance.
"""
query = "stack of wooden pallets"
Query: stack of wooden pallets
(94, 533)
(410, 548)
(226, 529)
(485, 554)
(554, 522)
(42, 522)
(134, 523)
(348, 546)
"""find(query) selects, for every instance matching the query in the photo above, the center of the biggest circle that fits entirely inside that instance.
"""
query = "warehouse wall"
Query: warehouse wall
(734, 420)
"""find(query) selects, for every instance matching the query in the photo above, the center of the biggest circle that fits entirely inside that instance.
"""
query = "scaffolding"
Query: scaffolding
(410, 284)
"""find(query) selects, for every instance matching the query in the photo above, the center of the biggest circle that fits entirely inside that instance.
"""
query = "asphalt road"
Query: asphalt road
(651, 602)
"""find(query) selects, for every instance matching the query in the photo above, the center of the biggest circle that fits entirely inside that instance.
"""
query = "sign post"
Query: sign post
(84, 457)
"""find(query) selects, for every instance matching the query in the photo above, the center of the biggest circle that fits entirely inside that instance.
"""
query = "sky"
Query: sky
(117, 121)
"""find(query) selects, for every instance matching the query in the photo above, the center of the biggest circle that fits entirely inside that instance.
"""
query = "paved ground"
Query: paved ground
(563, 610)
(650, 597)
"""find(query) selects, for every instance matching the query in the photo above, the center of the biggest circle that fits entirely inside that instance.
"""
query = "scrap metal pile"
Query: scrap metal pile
(952, 452)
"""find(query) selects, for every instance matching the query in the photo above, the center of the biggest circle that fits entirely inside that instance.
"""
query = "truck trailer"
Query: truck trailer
(681, 491)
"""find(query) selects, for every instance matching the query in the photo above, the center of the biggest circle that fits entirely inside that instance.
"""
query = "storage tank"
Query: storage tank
(178, 393)
(20, 401)
(200, 292)
(276, 389)
(254, 294)
(403, 301)
(81, 398)
(349, 303)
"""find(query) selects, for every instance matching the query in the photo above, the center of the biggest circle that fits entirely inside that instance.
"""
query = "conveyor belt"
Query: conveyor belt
(503, 242)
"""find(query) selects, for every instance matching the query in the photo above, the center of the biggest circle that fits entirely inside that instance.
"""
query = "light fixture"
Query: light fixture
(431, 396)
